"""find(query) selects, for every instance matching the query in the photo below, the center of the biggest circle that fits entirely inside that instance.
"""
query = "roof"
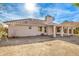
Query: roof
(72, 24)
(3, 25)
(28, 21)
(31, 21)
(20, 20)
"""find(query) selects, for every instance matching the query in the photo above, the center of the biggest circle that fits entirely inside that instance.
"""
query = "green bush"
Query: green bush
(3, 32)
(76, 31)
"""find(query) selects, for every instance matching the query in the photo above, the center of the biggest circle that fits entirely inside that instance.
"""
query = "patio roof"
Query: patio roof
(70, 24)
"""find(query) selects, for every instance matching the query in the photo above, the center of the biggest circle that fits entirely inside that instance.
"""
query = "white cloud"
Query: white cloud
(75, 18)
(9, 16)
(62, 15)
(58, 12)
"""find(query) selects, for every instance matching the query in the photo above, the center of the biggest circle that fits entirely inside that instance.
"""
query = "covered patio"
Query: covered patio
(64, 29)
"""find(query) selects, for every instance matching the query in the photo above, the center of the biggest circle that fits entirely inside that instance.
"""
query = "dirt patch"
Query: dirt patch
(50, 48)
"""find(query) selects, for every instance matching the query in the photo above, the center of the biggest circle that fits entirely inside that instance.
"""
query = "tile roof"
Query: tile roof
(28, 21)
(75, 24)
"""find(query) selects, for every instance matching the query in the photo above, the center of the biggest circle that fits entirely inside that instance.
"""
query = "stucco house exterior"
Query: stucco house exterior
(34, 27)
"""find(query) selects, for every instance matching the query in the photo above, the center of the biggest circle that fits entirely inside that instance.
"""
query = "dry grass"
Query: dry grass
(56, 47)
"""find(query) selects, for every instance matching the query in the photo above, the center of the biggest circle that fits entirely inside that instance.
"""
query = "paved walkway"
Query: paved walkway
(30, 40)
(71, 39)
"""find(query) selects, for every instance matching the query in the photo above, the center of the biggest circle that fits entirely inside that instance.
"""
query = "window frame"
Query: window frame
(45, 29)
(40, 28)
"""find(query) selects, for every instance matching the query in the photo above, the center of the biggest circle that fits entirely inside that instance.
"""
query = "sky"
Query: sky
(60, 11)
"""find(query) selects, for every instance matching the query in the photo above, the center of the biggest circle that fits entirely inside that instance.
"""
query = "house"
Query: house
(34, 27)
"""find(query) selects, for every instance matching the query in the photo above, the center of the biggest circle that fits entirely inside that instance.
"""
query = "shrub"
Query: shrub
(3, 32)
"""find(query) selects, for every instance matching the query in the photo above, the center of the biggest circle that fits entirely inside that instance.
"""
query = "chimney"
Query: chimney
(49, 19)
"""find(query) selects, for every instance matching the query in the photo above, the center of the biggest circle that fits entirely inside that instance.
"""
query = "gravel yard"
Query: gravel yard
(34, 46)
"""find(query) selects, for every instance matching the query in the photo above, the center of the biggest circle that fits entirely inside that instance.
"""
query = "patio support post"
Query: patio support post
(62, 31)
(68, 31)
(43, 29)
(54, 31)
(72, 31)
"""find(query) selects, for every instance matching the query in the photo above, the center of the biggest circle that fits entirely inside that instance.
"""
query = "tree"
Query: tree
(67, 21)
(76, 4)
(3, 32)
(76, 31)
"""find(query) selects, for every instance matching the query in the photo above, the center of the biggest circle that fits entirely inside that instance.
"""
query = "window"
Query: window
(30, 27)
(40, 28)
(45, 29)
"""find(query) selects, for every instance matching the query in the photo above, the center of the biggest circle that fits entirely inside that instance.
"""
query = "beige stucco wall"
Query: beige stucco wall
(50, 30)
(25, 31)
